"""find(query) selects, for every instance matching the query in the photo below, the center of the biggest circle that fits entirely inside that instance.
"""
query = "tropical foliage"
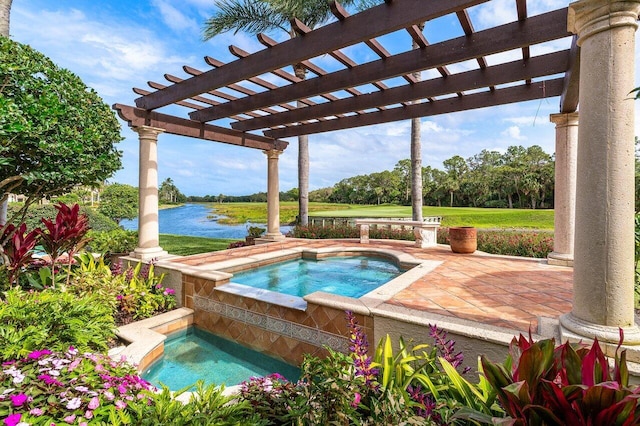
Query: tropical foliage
(513, 243)
(521, 177)
(56, 132)
(168, 193)
(119, 201)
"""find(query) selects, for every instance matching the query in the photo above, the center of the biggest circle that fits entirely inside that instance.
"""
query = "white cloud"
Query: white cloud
(513, 132)
(174, 18)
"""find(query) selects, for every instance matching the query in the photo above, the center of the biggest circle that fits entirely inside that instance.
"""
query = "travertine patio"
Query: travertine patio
(499, 291)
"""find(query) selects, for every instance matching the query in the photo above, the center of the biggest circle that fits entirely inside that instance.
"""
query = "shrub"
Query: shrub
(52, 387)
(131, 292)
(347, 231)
(512, 243)
(236, 244)
(115, 241)
(52, 319)
(206, 406)
(565, 385)
(97, 221)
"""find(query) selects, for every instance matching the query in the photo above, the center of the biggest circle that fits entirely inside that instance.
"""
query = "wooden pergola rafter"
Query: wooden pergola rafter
(511, 67)
(315, 104)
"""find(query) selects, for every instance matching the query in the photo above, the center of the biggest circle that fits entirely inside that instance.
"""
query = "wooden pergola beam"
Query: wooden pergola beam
(137, 117)
(569, 98)
(540, 66)
(538, 29)
(521, 93)
(396, 15)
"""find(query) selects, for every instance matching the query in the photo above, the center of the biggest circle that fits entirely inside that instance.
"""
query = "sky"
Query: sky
(120, 44)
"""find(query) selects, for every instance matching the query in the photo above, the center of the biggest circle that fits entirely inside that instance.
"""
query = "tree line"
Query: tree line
(519, 178)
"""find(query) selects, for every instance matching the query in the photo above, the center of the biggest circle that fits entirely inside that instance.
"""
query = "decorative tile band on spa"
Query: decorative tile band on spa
(285, 328)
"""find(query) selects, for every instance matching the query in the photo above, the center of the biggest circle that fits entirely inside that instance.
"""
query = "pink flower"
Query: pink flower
(120, 404)
(12, 419)
(356, 400)
(94, 403)
(109, 396)
(70, 419)
(19, 399)
(74, 403)
(74, 364)
(88, 414)
(36, 412)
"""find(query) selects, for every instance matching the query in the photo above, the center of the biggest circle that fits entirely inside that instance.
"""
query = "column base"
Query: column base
(274, 236)
(560, 259)
(575, 329)
(148, 253)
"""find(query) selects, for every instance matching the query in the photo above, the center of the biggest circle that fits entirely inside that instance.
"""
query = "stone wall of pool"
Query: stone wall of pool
(282, 326)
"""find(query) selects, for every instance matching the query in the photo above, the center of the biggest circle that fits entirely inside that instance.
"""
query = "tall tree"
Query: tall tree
(55, 133)
(256, 16)
(416, 143)
(5, 20)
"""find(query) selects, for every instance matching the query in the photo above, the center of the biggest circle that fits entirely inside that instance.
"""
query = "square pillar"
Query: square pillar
(603, 285)
(148, 224)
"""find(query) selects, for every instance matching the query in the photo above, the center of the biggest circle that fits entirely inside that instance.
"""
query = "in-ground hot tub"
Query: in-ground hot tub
(284, 325)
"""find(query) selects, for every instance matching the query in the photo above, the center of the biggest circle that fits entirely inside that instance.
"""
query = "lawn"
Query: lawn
(452, 216)
(184, 245)
(257, 212)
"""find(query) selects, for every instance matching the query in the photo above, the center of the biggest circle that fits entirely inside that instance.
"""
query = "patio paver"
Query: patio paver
(499, 291)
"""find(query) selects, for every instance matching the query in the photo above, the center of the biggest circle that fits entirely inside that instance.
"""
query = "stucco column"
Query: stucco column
(604, 240)
(148, 225)
(273, 196)
(565, 188)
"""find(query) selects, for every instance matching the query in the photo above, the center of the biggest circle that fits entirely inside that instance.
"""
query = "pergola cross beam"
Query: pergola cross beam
(396, 15)
(538, 29)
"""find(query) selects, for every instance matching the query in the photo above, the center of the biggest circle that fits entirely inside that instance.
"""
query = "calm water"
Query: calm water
(191, 219)
(199, 355)
(346, 276)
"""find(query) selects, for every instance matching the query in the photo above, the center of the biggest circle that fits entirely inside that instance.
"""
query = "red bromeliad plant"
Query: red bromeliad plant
(18, 248)
(67, 234)
(541, 384)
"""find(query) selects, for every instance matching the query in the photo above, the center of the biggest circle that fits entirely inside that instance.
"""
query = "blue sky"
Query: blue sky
(116, 45)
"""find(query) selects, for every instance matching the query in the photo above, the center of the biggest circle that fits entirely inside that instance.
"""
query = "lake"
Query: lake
(193, 220)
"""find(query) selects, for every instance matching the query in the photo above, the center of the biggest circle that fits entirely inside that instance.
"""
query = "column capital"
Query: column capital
(272, 153)
(148, 131)
(589, 17)
(564, 119)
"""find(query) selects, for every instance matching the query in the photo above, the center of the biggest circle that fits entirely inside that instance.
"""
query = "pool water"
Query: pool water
(352, 276)
(198, 355)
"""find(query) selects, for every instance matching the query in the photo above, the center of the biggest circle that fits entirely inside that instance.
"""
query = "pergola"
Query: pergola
(594, 178)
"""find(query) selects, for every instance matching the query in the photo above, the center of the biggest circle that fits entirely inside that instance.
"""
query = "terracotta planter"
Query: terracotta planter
(463, 239)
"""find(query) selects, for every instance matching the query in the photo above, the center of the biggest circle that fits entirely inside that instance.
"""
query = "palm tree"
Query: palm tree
(5, 12)
(416, 144)
(257, 16)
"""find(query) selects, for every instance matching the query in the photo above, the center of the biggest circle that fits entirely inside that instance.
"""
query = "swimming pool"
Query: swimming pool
(352, 276)
(195, 354)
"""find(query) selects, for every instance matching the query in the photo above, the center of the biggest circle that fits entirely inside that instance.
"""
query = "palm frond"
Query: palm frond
(250, 16)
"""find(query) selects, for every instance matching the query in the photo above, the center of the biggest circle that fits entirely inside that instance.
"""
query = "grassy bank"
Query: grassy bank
(257, 212)
(452, 216)
(184, 245)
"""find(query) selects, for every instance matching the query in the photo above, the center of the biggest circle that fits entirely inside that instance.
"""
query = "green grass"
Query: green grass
(257, 212)
(452, 216)
(458, 216)
(185, 245)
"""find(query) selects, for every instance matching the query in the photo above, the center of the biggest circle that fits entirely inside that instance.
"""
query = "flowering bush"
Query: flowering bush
(512, 243)
(133, 292)
(68, 387)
